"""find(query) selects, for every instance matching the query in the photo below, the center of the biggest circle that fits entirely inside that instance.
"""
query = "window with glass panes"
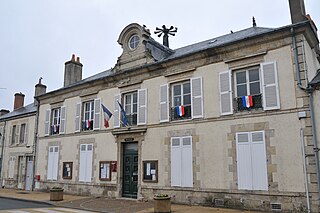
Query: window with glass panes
(247, 83)
(131, 106)
(22, 133)
(181, 100)
(55, 121)
(88, 115)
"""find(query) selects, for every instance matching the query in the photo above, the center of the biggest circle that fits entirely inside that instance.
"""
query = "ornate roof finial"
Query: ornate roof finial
(166, 32)
(254, 24)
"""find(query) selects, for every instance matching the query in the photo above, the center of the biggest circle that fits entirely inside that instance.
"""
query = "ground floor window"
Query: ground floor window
(53, 160)
(181, 161)
(85, 167)
(251, 161)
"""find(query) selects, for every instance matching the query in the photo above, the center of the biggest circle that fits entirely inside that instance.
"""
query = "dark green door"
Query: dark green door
(130, 170)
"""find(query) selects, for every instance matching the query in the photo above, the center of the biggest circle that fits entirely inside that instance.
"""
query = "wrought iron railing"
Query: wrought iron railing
(256, 100)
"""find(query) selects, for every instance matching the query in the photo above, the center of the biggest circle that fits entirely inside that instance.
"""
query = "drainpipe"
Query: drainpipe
(2, 153)
(310, 92)
(35, 142)
(304, 156)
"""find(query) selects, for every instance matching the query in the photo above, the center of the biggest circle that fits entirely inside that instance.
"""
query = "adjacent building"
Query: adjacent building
(19, 129)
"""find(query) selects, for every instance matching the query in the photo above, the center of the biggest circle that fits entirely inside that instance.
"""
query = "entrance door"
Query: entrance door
(130, 170)
(29, 174)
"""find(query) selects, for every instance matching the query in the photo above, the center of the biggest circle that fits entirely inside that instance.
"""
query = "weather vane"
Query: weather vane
(166, 32)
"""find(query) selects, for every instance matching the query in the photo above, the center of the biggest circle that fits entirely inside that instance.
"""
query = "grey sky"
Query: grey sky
(37, 37)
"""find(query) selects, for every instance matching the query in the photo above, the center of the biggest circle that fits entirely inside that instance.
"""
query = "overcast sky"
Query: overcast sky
(37, 37)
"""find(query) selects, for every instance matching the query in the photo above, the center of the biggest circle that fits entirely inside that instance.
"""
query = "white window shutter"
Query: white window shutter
(116, 114)
(82, 162)
(50, 163)
(244, 168)
(225, 93)
(78, 118)
(17, 134)
(10, 135)
(196, 97)
(47, 123)
(187, 171)
(11, 167)
(142, 106)
(63, 120)
(164, 103)
(55, 163)
(26, 133)
(176, 162)
(89, 155)
(97, 113)
(270, 87)
(259, 162)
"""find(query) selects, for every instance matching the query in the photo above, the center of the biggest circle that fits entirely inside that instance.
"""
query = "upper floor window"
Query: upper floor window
(88, 115)
(55, 121)
(134, 106)
(23, 133)
(13, 134)
(181, 100)
(254, 87)
(131, 107)
(247, 89)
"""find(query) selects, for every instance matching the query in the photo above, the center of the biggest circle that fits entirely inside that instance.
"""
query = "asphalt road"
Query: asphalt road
(6, 204)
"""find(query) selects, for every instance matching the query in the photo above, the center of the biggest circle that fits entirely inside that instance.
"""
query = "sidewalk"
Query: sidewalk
(104, 204)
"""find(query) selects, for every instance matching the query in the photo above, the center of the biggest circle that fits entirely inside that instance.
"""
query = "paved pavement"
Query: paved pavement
(102, 204)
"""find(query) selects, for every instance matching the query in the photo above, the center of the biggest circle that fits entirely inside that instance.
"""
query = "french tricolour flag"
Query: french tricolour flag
(247, 101)
(107, 115)
(180, 110)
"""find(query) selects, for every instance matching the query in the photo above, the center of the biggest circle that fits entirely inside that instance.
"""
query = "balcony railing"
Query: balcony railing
(256, 100)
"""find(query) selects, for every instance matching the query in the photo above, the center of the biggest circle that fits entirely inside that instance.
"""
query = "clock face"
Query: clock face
(133, 41)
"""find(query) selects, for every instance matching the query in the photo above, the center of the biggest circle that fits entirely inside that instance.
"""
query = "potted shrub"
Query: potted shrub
(56, 193)
(161, 203)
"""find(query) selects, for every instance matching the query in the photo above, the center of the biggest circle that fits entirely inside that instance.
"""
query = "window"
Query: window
(254, 88)
(85, 167)
(131, 107)
(53, 160)
(67, 170)
(251, 161)
(181, 161)
(88, 115)
(23, 134)
(134, 42)
(105, 170)
(13, 134)
(55, 121)
(247, 89)
(181, 101)
(135, 106)
(185, 100)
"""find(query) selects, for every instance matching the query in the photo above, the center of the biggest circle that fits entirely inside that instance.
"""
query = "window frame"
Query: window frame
(90, 113)
(182, 100)
(133, 41)
(55, 120)
(131, 104)
(247, 70)
(13, 135)
(22, 135)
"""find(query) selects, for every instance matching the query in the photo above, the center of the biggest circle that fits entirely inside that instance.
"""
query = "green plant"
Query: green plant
(161, 195)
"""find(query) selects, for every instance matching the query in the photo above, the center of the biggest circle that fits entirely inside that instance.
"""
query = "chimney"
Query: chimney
(3, 112)
(72, 71)
(40, 89)
(18, 101)
(297, 11)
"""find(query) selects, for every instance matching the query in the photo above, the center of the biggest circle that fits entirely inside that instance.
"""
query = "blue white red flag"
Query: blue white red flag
(247, 101)
(107, 115)
(124, 118)
(180, 110)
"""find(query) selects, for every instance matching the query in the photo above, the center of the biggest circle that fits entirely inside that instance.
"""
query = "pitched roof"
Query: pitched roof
(28, 109)
(316, 80)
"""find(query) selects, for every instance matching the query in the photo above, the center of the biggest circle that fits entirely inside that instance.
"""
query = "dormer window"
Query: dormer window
(133, 41)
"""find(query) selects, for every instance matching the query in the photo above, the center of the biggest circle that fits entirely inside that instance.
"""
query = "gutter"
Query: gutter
(309, 90)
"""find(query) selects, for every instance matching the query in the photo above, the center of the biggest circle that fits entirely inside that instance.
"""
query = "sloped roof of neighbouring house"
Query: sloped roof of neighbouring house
(23, 111)
(316, 80)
